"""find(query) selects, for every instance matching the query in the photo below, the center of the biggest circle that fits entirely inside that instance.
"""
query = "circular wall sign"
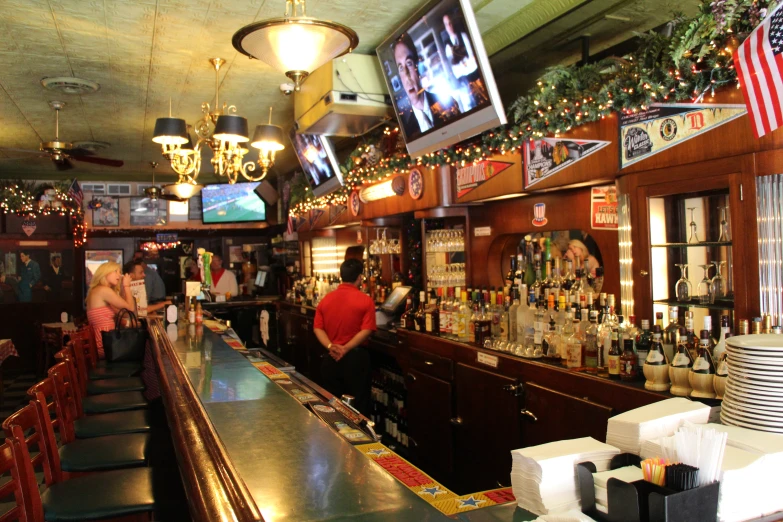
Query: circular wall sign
(354, 203)
(415, 184)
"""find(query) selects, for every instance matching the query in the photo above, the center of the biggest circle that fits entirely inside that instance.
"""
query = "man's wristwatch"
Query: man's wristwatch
(330, 346)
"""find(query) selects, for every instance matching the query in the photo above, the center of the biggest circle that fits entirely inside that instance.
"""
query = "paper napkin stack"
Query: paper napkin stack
(543, 477)
(628, 430)
(600, 479)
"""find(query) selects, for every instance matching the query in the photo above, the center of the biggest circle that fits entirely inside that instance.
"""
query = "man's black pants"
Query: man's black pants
(350, 375)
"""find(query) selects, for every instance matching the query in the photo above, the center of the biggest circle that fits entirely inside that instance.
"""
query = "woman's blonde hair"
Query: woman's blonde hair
(578, 244)
(99, 277)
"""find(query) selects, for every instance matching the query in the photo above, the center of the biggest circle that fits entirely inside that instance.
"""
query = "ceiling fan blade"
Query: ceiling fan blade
(100, 161)
(78, 152)
(26, 151)
(63, 164)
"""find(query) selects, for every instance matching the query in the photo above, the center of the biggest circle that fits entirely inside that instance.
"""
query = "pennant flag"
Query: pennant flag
(471, 177)
(546, 156)
(759, 66)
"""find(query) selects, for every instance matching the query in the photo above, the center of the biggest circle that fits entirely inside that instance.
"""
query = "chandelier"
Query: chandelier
(225, 134)
(295, 44)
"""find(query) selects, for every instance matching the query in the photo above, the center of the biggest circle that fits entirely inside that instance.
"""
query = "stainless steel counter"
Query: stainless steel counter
(295, 467)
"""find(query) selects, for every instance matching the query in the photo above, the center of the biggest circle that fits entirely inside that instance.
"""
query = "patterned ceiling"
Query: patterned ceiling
(145, 52)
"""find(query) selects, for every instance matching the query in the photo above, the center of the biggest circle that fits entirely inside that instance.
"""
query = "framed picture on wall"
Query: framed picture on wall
(194, 208)
(108, 212)
(148, 213)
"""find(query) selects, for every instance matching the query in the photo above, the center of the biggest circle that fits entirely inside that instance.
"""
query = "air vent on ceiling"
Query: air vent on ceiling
(70, 85)
(95, 188)
(118, 189)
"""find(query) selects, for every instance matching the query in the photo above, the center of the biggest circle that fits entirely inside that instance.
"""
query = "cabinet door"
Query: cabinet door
(429, 423)
(550, 415)
(487, 428)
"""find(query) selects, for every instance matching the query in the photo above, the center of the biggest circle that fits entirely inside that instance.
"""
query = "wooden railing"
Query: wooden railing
(214, 488)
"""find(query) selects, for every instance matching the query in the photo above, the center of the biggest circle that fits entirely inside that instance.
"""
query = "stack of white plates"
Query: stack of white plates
(754, 388)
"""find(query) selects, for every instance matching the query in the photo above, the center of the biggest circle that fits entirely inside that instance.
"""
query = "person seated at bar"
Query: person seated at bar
(223, 281)
(156, 290)
(344, 321)
(105, 297)
(136, 270)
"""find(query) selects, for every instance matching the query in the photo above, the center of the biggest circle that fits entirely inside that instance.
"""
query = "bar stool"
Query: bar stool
(118, 423)
(11, 486)
(97, 496)
(51, 343)
(102, 369)
(86, 455)
(105, 403)
(81, 343)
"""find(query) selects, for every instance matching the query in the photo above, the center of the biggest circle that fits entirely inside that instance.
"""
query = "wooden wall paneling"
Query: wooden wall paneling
(601, 165)
(510, 181)
(394, 205)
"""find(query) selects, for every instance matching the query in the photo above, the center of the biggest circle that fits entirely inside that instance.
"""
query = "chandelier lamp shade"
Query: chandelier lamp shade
(296, 44)
(225, 134)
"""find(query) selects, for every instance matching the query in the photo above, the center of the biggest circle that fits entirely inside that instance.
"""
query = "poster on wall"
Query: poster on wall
(649, 132)
(603, 208)
(547, 156)
(471, 177)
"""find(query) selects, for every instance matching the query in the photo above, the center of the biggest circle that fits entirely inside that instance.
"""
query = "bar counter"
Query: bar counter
(249, 451)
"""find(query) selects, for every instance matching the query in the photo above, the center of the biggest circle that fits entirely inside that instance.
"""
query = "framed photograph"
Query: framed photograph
(108, 215)
(147, 213)
(235, 254)
(185, 263)
(95, 258)
(194, 208)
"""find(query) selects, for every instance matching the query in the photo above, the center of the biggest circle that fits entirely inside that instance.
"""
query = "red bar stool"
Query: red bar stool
(80, 343)
(118, 423)
(11, 486)
(51, 343)
(86, 455)
(98, 496)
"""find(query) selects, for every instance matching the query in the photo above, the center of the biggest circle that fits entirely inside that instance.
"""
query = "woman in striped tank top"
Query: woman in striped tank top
(105, 298)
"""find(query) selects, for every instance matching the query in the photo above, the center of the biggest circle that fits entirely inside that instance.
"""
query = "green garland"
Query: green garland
(691, 63)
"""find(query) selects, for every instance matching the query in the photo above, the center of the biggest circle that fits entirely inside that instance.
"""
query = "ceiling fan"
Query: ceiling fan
(151, 195)
(61, 152)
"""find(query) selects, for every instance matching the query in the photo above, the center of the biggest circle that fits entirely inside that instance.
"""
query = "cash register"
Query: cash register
(392, 308)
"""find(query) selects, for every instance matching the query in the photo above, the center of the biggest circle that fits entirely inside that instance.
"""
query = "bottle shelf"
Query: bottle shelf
(719, 304)
(693, 245)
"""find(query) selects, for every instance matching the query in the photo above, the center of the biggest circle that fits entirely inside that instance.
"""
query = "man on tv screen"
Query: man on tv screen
(428, 111)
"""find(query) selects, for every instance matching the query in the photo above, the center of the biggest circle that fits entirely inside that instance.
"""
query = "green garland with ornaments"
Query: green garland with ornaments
(692, 62)
(28, 199)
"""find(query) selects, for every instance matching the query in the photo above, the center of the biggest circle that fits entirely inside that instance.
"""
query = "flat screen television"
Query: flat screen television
(439, 77)
(237, 203)
(318, 161)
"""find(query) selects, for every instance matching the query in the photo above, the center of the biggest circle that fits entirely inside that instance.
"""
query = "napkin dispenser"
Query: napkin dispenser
(643, 501)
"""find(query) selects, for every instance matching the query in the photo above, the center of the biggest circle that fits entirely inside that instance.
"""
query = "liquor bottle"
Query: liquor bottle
(512, 315)
(571, 345)
(530, 270)
(485, 325)
(407, 316)
(463, 325)
(592, 346)
(496, 311)
(643, 341)
(192, 311)
(680, 369)
(613, 361)
(692, 340)
(719, 352)
(473, 324)
(511, 272)
(528, 323)
(708, 327)
(524, 301)
(519, 273)
(537, 286)
(598, 281)
(671, 332)
(601, 307)
(538, 332)
(504, 319)
(702, 372)
(656, 367)
(557, 274)
(420, 319)
(628, 362)
(548, 281)
(631, 331)
(432, 318)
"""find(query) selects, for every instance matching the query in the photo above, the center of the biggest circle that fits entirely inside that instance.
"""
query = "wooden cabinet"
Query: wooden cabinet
(487, 428)
(429, 424)
(549, 415)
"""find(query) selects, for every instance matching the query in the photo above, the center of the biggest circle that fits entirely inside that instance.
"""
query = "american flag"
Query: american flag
(76, 194)
(759, 66)
(290, 229)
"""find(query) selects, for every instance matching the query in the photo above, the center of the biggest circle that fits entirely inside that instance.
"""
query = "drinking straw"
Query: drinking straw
(654, 470)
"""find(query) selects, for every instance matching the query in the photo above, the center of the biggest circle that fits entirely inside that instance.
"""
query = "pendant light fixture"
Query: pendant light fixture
(296, 44)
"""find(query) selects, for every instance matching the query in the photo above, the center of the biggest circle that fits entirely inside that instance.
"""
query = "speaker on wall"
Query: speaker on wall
(267, 193)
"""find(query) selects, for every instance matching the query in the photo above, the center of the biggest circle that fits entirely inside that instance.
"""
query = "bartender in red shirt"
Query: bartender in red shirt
(344, 320)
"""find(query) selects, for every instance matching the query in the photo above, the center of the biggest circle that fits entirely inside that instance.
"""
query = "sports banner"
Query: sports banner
(546, 156)
(471, 177)
(603, 208)
(644, 134)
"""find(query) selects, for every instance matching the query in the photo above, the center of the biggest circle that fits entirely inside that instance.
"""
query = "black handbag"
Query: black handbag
(125, 344)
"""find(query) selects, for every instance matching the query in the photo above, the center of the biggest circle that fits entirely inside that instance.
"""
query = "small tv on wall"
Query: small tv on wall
(439, 77)
(237, 203)
(318, 161)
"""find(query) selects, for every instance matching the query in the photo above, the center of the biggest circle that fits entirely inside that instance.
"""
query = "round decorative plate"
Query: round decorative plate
(415, 184)
(354, 203)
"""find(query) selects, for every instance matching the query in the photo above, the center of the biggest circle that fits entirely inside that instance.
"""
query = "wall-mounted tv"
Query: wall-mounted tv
(238, 203)
(318, 161)
(439, 77)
